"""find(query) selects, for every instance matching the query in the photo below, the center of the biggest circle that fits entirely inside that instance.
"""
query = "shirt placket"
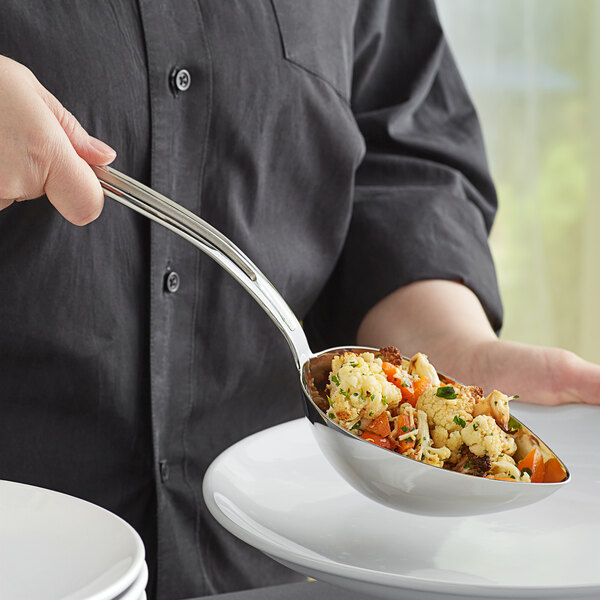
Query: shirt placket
(179, 75)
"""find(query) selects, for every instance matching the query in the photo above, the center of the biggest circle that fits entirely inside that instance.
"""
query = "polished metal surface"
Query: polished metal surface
(383, 475)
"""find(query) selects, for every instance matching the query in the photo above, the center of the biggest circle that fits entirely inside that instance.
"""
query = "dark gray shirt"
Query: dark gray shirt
(332, 140)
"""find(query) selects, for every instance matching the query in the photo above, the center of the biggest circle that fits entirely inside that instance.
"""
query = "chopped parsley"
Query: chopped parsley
(355, 426)
(371, 414)
(354, 364)
(515, 396)
(475, 426)
(335, 379)
(446, 391)
(405, 429)
(514, 424)
(459, 421)
(331, 416)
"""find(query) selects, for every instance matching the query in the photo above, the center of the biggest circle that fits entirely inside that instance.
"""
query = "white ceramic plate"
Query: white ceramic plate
(136, 589)
(275, 491)
(54, 546)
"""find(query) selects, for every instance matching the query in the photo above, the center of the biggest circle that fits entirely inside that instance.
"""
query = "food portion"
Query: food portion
(407, 407)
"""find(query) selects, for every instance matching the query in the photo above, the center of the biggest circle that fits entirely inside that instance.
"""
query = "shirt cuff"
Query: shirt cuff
(396, 237)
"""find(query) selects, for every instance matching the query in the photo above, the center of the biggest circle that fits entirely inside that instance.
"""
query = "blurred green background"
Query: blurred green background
(532, 69)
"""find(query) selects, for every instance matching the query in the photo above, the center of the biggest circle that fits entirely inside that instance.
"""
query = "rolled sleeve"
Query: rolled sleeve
(424, 201)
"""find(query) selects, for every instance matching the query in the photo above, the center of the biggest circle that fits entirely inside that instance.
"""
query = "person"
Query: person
(333, 141)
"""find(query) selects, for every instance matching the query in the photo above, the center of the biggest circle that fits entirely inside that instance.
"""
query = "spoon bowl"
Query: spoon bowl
(385, 476)
(401, 482)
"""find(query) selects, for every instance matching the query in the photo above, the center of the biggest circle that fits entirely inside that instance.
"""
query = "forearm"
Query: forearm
(443, 319)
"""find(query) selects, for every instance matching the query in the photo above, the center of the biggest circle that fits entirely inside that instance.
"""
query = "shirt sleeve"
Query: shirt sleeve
(424, 201)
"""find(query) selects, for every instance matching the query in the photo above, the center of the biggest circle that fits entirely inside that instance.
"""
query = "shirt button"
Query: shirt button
(164, 470)
(180, 80)
(172, 282)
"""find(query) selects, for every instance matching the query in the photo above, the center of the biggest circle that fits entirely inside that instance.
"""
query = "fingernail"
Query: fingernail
(101, 147)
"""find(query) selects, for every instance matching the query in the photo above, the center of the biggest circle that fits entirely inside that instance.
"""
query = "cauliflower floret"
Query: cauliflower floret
(435, 456)
(419, 365)
(359, 388)
(424, 450)
(484, 437)
(505, 466)
(447, 412)
(439, 435)
(495, 405)
(509, 445)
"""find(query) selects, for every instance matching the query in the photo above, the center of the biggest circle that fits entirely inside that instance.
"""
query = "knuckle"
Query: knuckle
(68, 122)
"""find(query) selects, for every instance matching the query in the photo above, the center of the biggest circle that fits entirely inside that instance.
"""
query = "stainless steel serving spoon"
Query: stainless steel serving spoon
(385, 476)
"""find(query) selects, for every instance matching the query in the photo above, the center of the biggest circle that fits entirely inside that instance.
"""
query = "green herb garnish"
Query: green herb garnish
(514, 424)
(355, 426)
(331, 416)
(475, 426)
(447, 391)
(459, 421)
(329, 400)
(335, 379)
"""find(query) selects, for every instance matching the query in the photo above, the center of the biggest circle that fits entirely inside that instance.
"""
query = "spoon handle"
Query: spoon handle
(198, 232)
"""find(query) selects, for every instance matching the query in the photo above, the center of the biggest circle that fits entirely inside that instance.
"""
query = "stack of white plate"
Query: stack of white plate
(54, 546)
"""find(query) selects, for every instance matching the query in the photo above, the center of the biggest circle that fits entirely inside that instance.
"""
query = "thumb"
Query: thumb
(91, 149)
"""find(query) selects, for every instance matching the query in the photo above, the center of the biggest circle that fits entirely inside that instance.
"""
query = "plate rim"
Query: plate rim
(127, 578)
(381, 578)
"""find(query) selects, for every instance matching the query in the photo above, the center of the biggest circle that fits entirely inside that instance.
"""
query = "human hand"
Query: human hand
(445, 320)
(44, 149)
(535, 373)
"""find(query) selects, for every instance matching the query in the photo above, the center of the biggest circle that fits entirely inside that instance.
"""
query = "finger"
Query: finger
(72, 187)
(582, 379)
(5, 203)
(92, 150)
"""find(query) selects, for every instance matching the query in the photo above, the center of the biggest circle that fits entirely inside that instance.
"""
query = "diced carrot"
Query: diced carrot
(401, 381)
(420, 386)
(534, 461)
(554, 471)
(405, 421)
(408, 392)
(389, 369)
(404, 445)
(378, 440)
(380, 425)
